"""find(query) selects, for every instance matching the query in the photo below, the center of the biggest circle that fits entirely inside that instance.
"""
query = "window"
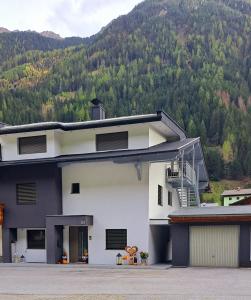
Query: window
(170, 198)
(238, 198)
(116, 239)
(36, 239)
(0, 152)
(75, 188)
(160, 195)
(112, 141)
(32, 144)
(26, 193)
(230, 198)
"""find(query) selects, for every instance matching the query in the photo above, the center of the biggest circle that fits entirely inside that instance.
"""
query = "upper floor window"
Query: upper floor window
(75, 188)
(160, 195)
(26, 193)
(112, 141)
(32, 144)
(170, 198)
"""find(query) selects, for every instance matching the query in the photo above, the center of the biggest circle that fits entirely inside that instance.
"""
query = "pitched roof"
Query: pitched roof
(236, 192)
(212, 211)
(159, 116)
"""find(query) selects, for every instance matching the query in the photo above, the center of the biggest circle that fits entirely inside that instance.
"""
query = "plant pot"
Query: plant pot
(144, 261)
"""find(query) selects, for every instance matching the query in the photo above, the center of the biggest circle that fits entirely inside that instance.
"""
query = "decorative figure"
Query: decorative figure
(132, 257)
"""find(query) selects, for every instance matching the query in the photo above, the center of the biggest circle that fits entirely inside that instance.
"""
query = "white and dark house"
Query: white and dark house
(95, 187)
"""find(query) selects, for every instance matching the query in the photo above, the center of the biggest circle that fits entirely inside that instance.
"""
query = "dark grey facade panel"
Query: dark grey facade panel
(180, 245)
(54, 233)
(47, 178)
(244, 245)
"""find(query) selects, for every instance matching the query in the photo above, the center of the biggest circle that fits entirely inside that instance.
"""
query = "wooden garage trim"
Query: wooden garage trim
(211, 219)
(1, 213)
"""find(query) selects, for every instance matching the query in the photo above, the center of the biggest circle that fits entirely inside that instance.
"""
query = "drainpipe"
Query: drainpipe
(193, 165)
(182, 175)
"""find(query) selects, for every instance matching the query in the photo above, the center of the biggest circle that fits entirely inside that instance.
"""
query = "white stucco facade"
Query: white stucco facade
(82, 141)
(20, 248)
(117, 199)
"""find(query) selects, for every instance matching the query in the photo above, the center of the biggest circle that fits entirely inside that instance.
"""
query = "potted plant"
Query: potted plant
(144, 256)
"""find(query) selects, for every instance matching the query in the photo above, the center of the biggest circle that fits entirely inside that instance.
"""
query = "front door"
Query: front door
(78, 243)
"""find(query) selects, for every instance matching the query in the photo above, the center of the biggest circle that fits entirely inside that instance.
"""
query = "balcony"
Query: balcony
(177, 172)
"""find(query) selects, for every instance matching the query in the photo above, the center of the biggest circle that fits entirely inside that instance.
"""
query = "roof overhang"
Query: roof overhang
(139, 119)
(218, 214)
(210, 219)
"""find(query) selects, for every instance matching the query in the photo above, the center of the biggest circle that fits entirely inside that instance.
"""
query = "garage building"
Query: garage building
(211, 236)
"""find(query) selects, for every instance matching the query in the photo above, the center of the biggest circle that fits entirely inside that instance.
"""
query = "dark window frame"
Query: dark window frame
(27, 202)
(170, 198)
(160, 195)
(112, 135)
(109, 232)
(26, 138)
(75, 188)
(36, 247)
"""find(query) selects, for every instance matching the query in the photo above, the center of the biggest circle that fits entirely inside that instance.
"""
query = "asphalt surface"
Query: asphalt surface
(77, 282)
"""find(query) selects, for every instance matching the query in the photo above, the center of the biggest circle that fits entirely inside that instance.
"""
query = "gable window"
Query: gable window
(75, 188)
(160, 195)
(32, 144)
(26, 193)
(36, 239)
(112, 141)
(170, 198)
(116, 239)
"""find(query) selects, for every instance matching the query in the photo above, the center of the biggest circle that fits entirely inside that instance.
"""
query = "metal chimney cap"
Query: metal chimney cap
(96, 101)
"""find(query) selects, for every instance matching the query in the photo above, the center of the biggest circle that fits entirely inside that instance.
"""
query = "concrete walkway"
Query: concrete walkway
(81, 282)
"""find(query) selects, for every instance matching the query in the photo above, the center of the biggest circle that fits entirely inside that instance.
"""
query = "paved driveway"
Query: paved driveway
(37, 282)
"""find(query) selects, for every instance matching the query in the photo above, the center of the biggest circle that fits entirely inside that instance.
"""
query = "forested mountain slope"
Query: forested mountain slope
(190, 57)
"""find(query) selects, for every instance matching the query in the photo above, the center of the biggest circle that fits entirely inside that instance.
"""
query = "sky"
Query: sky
(65, 17)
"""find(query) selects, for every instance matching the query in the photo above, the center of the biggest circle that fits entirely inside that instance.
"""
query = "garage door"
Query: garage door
(214, 246)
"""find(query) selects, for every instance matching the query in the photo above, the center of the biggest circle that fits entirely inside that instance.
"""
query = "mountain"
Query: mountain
(51, 34)
(190, 57)
(2, 29)
(14, 43)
